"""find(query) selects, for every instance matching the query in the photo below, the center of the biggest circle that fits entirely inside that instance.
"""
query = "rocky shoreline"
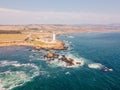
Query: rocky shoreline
(62, 59)
(59, 45)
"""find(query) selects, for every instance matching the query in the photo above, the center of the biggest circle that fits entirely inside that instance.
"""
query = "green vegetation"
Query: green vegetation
(37, 42)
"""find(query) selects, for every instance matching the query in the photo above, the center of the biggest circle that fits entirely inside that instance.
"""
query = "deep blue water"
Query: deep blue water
(101, 48)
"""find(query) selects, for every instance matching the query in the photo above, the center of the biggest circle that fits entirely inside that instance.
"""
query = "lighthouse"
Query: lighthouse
(54, 37)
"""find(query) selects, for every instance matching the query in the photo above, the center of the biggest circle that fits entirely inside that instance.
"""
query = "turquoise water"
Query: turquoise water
(19, 70)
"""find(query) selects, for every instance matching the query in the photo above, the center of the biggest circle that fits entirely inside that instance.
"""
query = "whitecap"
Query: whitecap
(67, 73)
(95, 65)
(16, 64)
(99, 66)
(4, 63)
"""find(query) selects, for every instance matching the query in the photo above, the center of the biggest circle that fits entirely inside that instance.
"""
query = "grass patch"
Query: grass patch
(37, 42)
(12, 37)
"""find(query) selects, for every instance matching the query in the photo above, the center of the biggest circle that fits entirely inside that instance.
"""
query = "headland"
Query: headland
(44, 36)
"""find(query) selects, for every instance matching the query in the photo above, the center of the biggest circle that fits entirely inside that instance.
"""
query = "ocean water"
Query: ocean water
(23, 68)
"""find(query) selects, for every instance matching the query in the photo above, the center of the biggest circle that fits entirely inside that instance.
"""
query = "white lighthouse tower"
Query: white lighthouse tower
(54, 37)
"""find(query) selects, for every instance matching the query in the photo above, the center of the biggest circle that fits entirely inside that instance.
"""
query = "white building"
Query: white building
(54, 37)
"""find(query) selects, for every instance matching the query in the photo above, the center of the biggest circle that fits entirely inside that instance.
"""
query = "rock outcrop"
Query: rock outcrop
(58, 45)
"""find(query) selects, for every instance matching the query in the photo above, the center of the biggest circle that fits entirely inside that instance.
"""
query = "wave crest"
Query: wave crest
(99, 66)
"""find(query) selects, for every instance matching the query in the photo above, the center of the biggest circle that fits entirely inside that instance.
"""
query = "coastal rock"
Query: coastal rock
(58, 45)
(51, 55)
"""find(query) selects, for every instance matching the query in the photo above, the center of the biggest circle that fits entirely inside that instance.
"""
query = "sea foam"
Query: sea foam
(10, 79)
(95, 65)
(99, 66)
(61, 63)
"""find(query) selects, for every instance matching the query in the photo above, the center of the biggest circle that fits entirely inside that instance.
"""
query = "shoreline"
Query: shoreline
(79, 32)
(59, 45)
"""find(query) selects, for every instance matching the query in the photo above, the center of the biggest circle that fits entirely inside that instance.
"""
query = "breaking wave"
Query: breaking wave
(95, 65)
(8, 63)
(60, 63)
(99, 66)
(10, 79)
